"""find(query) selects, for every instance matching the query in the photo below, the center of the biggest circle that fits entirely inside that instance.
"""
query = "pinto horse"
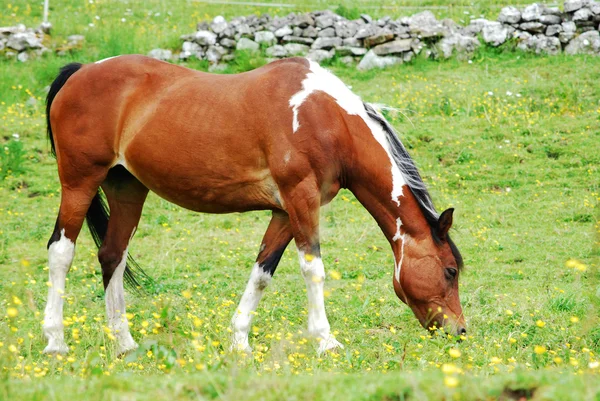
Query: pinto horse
(284, 137)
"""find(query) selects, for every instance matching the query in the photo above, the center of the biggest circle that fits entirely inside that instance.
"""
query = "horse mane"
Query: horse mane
(413, 179)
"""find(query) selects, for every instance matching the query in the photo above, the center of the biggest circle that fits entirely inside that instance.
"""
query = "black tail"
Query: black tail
(59, 82)
(97, 221)
(98, 213)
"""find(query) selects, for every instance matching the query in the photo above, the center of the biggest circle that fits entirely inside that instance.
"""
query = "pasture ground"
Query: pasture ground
(510, 140)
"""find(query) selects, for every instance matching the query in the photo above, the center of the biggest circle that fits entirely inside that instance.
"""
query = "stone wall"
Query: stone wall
(379, 42)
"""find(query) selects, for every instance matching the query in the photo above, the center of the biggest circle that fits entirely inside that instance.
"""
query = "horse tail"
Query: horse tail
(59, 82)
(97, 220)
(98, 212)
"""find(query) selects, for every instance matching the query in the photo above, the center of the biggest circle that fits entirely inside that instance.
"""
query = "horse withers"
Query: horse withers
(284, 137)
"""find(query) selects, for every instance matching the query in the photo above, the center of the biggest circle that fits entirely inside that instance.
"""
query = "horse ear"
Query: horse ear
(444, 223)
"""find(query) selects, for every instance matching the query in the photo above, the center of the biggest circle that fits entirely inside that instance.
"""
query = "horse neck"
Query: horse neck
(395, 213)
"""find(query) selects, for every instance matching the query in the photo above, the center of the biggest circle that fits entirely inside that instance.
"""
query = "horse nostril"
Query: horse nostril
(462, 331)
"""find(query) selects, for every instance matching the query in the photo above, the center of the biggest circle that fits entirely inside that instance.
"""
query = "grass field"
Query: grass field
(510, 140)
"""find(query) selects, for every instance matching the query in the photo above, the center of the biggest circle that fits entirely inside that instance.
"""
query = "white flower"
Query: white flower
(490, 93)
(509, 93)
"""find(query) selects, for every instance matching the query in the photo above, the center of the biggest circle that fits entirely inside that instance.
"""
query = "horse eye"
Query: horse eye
(450, 273)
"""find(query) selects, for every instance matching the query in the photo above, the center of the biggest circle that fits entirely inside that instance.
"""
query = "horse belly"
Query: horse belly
(195, 185)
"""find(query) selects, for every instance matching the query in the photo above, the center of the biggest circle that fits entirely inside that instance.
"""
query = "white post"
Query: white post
(45, 11)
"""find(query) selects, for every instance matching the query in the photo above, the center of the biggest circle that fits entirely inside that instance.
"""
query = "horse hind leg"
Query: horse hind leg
(75, 201)
(126, 196)
(276, 239)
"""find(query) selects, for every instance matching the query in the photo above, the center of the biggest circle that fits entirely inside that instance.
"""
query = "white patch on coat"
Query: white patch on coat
(286, 157)
(115, 309)
(319, 79)
(242, 318)
(106, 59)
(60, 257)
(313, 272)
(398, 266)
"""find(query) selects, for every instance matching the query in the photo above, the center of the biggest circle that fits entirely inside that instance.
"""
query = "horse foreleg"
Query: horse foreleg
(126, 198)
(275, 240)
(303, 208)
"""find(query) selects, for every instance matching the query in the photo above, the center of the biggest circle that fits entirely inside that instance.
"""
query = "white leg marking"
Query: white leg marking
(319, 79)
(115, 309)
(60, 257)
(242, 319)
(313, 272)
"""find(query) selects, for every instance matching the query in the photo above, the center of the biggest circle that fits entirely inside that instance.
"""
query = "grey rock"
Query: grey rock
(372, 60)
(161, 54)
(205, 38)
(303, 20)
(425, 25)
(23, 40)
(550, 19)
(572, 5)
(540, 44)
(352, 42)
(532, 12)
(367, 18)
(595, 8)
(553, 30)
(284, 31)
(1, 45)
(568, 31)
(215, 53)
(294, 49)
(216, 68)
(189, 49)
(326, 43)
(243, 30)
(552, 11)
(382, 37)
(583, 14)
(475, 26)
(297, 39)
(46, 27)
(586, 43)
(350, 51)
(324, 21)
(509, 15)
(463, 45)
(494, 33)
(319, 55)
(23, 57)
(276, 51)
(348, 60)
(345, 29)
(395, 47)
(228, 43)
(327, 33)
(297, 31)
(367, 30)
(266, 37)
(247, 44)
(219, 24)
(535, 27)
(310, 32)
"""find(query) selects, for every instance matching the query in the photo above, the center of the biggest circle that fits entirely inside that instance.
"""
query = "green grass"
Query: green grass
(510, 140)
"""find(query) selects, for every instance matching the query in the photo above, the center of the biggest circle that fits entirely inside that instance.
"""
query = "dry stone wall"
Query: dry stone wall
(380, 42)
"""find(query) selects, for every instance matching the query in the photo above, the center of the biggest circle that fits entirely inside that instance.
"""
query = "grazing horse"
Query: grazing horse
(284, 137)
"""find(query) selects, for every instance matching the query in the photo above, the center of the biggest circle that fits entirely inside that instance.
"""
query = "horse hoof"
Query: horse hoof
(126, 349)
(56, 348)
(331, 344)
(241, 348)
